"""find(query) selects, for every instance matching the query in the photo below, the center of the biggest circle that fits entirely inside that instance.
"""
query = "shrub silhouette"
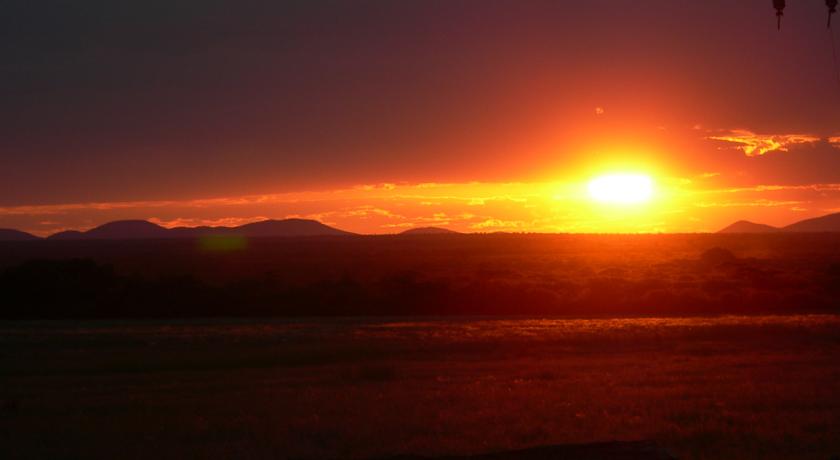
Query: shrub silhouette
(717, 256)
(458, 275)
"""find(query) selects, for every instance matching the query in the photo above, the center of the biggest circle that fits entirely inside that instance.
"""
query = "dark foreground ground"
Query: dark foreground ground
(761, 387)
(462, 275)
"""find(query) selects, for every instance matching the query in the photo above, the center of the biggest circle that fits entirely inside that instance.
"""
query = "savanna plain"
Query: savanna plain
(703, 383)
(703, 388)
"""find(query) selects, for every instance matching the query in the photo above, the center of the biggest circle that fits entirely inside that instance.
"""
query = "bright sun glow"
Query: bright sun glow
(621, 188)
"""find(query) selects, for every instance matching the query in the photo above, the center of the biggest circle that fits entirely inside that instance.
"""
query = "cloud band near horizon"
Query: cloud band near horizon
(681, 205)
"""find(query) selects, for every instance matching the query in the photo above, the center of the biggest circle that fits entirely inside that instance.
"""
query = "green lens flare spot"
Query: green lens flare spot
(222, 243)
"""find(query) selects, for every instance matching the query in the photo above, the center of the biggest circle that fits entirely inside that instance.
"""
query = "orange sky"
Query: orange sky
(742, 176)
(477, 116)
(680, 204)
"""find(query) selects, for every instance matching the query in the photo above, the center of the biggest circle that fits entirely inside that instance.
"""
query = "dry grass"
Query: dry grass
(705, 388)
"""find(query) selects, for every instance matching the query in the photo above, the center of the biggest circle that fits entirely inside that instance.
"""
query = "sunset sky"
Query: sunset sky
(378, 116)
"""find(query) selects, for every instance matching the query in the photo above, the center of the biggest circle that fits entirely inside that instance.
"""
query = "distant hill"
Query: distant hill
(141, 229)
(287, 227)
(67, 235)
(744, 226)
(429, 231)
(127, 230)
(7, 234)
(828, 223)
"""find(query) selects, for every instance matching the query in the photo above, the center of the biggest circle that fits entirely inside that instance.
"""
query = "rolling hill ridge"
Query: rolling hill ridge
(745, 226)
(7, 234)
(141, 229)
(827, 223)
(429, 231)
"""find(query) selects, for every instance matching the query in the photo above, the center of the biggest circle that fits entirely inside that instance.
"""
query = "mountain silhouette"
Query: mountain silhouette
(429, 231)
(141, 229)
(7, 234)
(127, 230)
(118, 230)
(287, 227)
(827, 223)
(745, 226)
(67, 235)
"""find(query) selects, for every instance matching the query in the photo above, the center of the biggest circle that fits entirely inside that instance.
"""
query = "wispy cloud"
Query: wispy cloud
(777, 188)
(499, 224)
(764, 203)
(198, 222)
(754, 144)
(473, 206)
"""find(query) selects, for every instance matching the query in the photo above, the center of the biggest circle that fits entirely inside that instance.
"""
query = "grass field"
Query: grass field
(707, 388)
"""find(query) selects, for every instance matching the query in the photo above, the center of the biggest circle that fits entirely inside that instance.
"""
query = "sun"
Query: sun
(621, 188)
